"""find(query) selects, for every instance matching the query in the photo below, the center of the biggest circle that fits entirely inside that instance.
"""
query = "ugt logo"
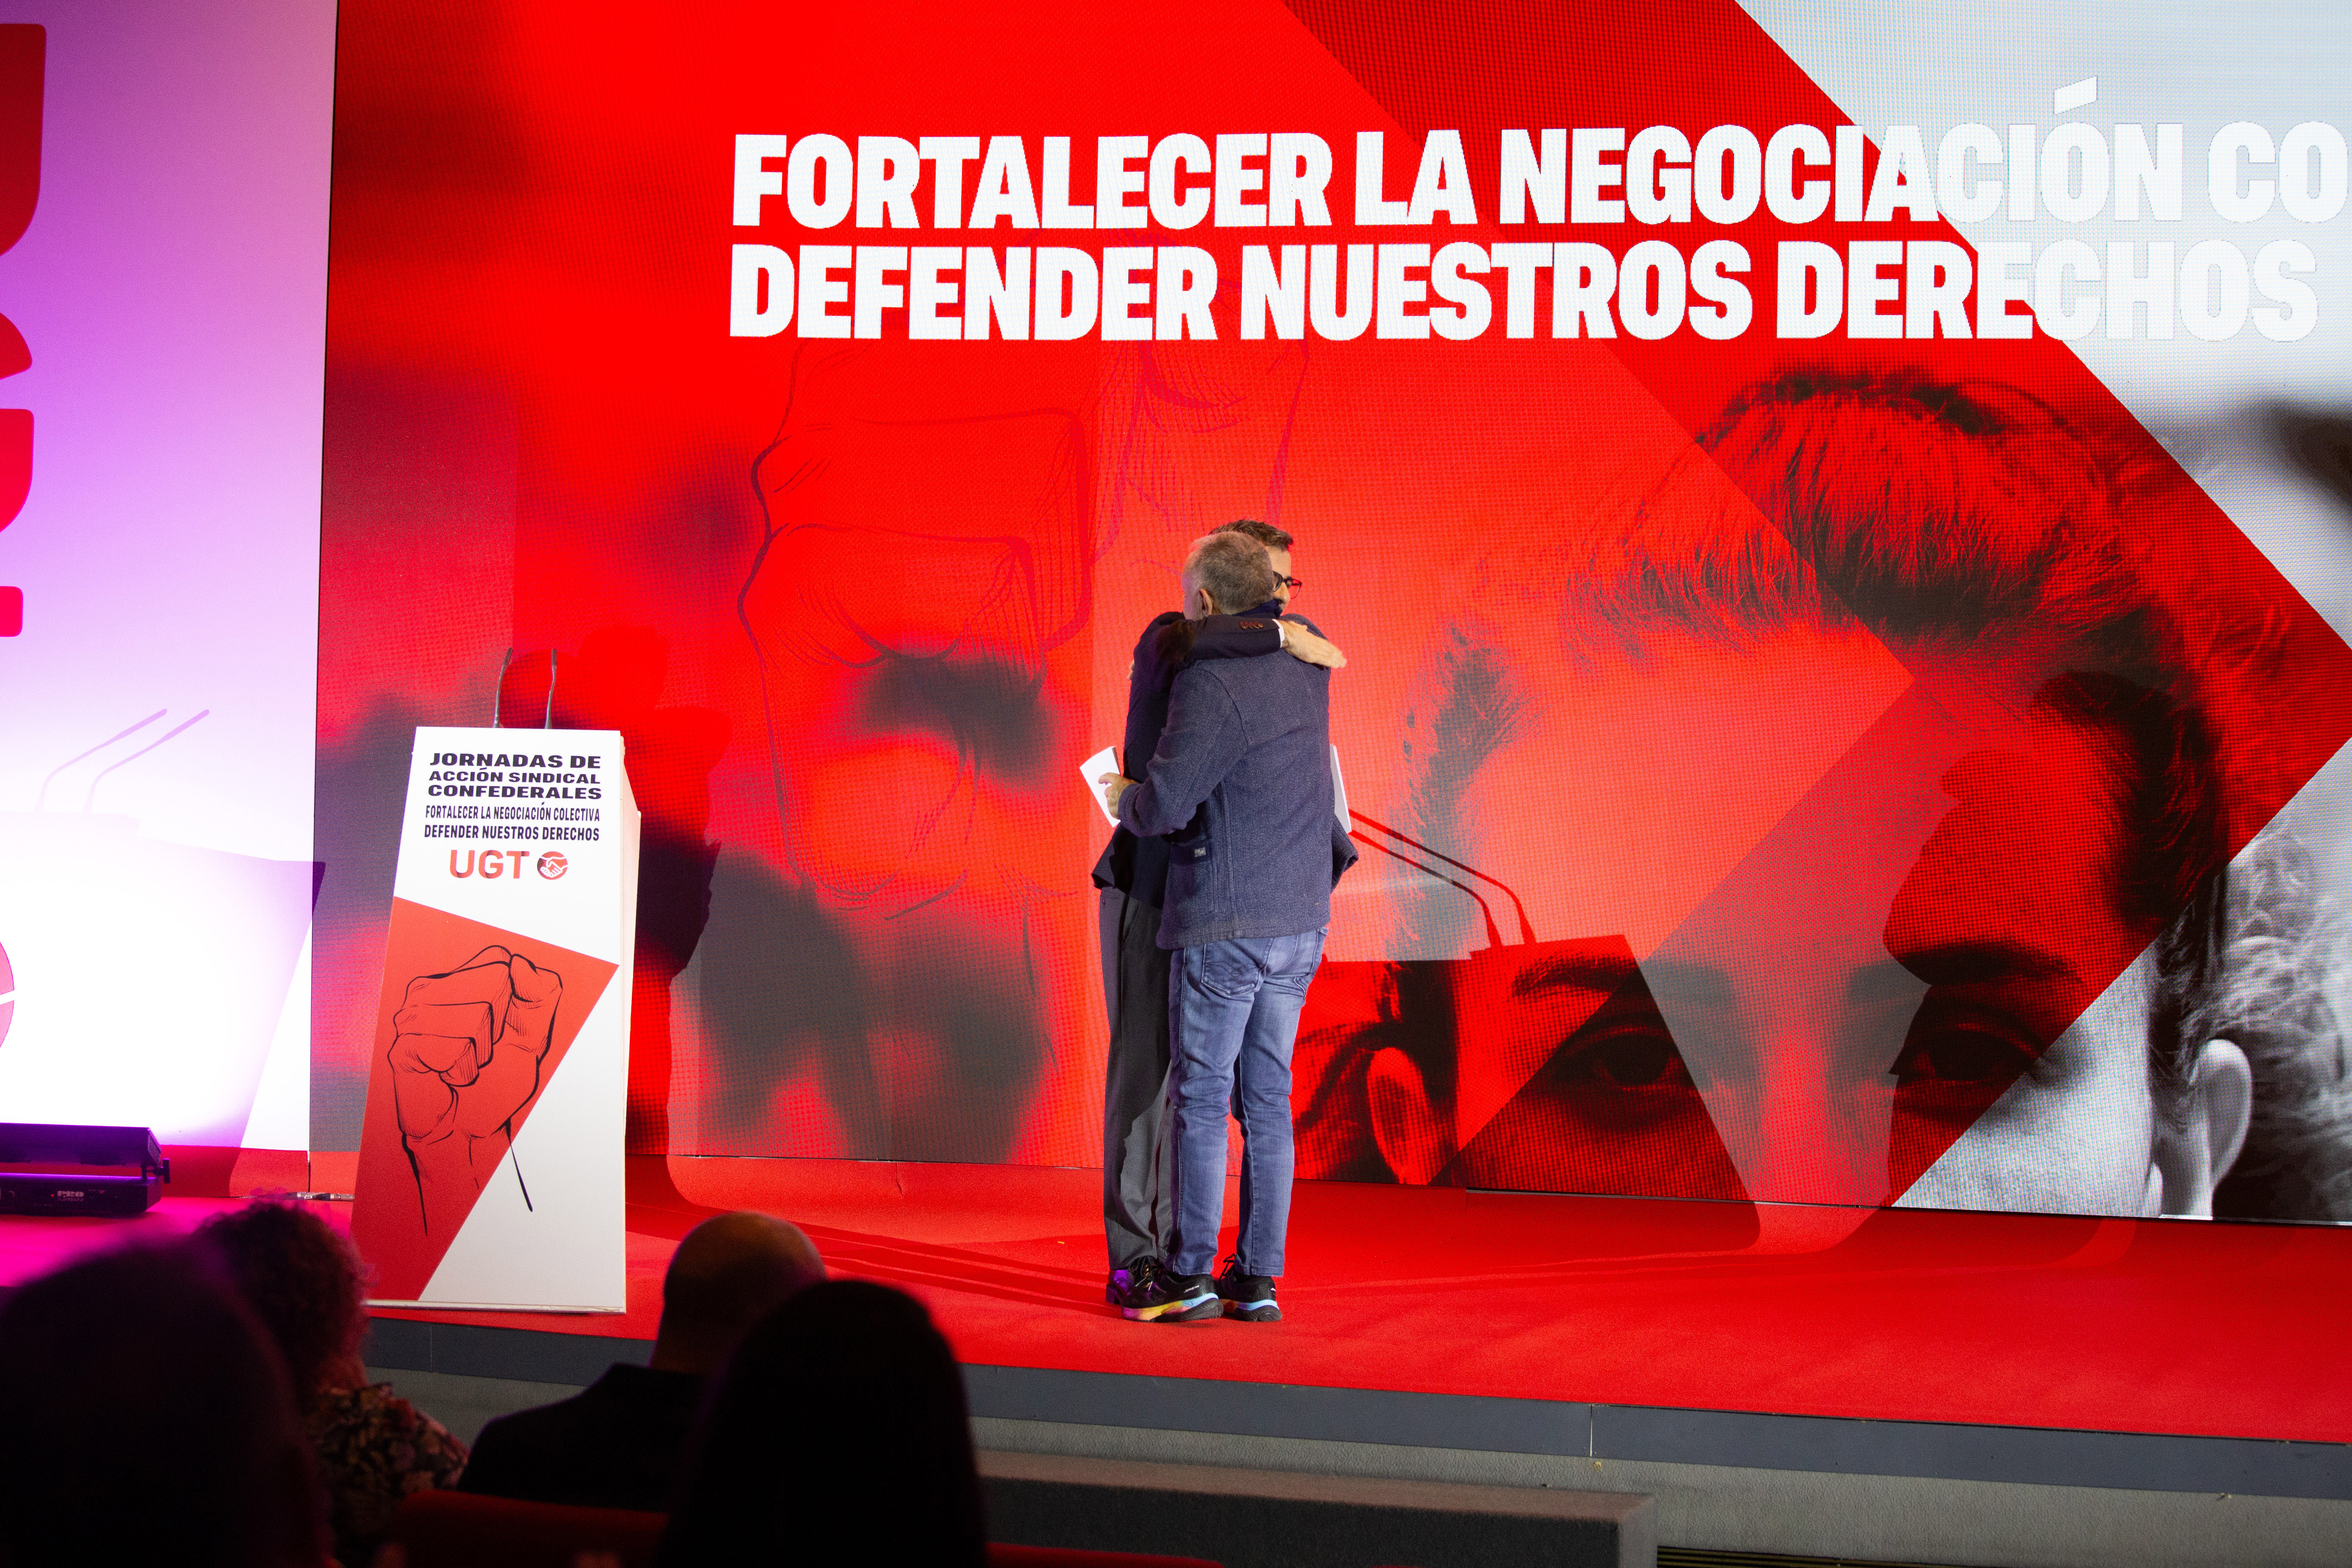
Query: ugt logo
(489, 865)
(23, 48)
(493, 865)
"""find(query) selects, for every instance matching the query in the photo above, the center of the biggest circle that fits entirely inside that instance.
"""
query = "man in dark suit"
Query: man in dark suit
(618, 1442)
(1241, 784)
(1132, 874)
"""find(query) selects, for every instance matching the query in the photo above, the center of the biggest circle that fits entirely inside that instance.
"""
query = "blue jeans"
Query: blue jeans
(1233, 1013)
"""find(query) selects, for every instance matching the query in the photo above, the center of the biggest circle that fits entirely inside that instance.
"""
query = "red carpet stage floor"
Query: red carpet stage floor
(2117, 1326)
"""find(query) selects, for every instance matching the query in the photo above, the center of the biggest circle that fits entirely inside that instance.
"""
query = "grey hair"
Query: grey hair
(1233, 568)
(2270, 996)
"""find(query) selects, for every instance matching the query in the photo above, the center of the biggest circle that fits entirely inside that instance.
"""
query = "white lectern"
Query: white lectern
(490, 1162)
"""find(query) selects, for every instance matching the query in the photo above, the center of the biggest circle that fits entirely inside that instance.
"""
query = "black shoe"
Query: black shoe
(1247, 1296)
(1148, 1293)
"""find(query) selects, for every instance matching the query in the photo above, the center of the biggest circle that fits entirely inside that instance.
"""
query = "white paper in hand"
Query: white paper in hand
(1103, 762)
(1339, 795)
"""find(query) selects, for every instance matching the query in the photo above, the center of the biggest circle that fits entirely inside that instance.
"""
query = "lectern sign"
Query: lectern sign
(490, 1169)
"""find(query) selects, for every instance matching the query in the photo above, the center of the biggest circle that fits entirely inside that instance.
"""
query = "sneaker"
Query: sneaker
(1247, 1296)
(1148, 1293)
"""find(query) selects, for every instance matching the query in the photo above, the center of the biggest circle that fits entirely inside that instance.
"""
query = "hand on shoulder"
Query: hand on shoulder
(1310, 647)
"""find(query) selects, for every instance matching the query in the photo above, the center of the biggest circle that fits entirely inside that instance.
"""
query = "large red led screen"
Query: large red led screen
(1814, 730)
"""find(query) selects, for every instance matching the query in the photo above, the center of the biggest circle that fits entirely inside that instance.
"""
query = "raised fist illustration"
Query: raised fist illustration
(466, 1053)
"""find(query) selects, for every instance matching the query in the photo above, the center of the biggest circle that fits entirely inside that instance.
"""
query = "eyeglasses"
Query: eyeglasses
(1293, 583)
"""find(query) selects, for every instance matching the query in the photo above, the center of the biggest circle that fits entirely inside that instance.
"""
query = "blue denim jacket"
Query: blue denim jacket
(1243, 770)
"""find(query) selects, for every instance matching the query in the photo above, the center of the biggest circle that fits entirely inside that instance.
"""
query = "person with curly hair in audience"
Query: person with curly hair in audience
(305, 1283)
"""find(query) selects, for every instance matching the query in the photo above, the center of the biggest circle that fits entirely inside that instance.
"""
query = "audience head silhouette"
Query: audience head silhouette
(144, 1418)
(836, 1432)
(727, 1274)
(620, 1442)
(305, 1283)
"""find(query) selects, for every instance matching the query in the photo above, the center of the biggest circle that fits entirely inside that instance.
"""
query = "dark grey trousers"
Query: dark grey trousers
(1136, 1209)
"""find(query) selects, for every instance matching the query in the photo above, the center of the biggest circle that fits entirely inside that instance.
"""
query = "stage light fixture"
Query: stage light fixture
(54, 1168)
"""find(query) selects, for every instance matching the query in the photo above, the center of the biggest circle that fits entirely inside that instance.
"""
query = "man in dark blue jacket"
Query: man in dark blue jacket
(622, 1441)
(1241, 785)
(1132, 874)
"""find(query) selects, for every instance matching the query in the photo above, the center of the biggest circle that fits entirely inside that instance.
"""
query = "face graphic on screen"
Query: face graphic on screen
(1969, 953)
(1919, 952)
